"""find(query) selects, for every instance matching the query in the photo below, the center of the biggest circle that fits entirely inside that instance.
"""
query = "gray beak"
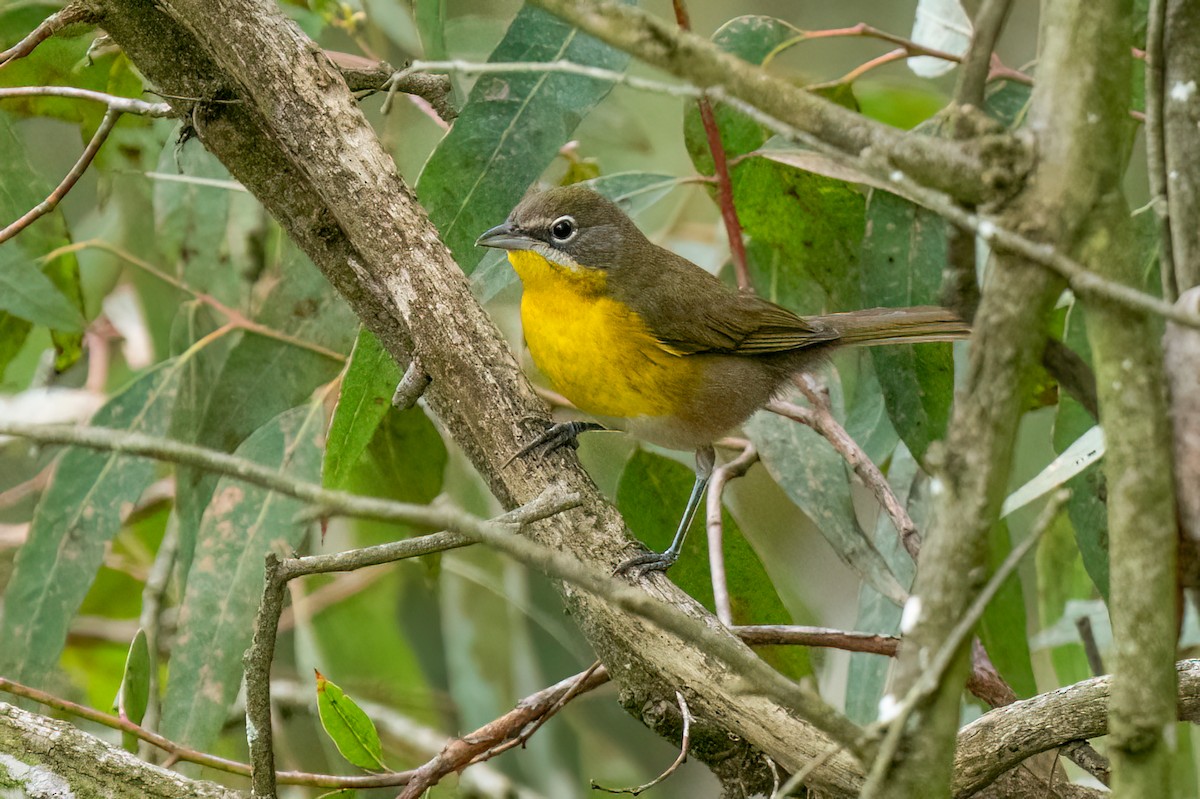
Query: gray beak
(504, 238)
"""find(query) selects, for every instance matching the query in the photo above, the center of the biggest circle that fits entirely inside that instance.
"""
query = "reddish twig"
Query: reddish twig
(820, 418)
(483, 742)
(72, 14)
(50, 203)
(683, 750)
(733, 226)
(716, 529)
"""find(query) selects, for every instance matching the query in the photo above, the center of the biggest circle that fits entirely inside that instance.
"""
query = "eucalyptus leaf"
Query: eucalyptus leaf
(903, 254)
(510, 129)
(813, 474)
(350, 729)
(216, 620)
(77, 516)
(364, 399)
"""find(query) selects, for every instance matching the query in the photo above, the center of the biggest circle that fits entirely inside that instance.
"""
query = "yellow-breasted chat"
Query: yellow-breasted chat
(627, 330)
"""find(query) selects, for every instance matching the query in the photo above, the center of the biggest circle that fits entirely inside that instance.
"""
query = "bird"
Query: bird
(647, 341)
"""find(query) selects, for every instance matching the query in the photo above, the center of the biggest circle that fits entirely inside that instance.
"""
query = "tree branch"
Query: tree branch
(1078, 111)
(960, 169)
(44, 757)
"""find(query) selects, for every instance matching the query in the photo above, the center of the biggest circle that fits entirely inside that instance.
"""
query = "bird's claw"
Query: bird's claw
(638, 567)
(557, 436)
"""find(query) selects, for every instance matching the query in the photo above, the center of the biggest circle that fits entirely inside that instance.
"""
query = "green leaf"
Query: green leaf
(634, 192)
(21, 188)
(510, 129)
(651, 495)
(1085, 507)
(76, 517)
(404, 460)
(813, 474)
(13, 332)
(58, 61)
(903, 254)
(867, 674)
(751, 38)
(260, 378)
(816, 223)
(1008, 102)
(29, 294)
(867, 420)
(190, 223)
(216, 620)
(1060, 579)
(775, 278)
(134, 693)
(348, 726)
(430, 16)
(1003, 628)
(364, 400)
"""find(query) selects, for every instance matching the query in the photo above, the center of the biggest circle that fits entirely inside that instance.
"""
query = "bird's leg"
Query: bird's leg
(706, 458)
(562, 434)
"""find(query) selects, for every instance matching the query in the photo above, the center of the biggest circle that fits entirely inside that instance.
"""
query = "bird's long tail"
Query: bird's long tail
(896, 325)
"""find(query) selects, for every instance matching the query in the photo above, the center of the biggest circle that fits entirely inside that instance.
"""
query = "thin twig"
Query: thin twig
(797, 635)
(124, 105)
(583, 682)
(821, 419)
(976, 62)
(491, 739)
(1090, 648)
(329, 502)
(715, 527)
(50, 203)
(279, 573)
(1156, 144)
(75, 13)
(671, 769)
(729, 215)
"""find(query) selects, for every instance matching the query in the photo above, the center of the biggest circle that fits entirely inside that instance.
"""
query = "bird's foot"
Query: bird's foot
(557, 436)
(642, 565)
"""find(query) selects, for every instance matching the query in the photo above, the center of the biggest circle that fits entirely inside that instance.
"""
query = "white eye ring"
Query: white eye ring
(564, 228)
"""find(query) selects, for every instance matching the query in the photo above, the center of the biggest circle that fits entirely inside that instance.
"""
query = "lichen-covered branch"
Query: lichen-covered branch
(45, 757)
(1077, 112)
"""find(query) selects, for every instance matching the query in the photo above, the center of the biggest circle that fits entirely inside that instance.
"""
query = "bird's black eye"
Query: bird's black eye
(563, 228)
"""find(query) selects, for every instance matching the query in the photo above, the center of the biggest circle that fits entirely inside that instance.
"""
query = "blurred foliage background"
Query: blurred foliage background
(161, 298)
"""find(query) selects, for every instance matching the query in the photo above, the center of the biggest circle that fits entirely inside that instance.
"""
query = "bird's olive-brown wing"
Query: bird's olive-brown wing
(689, 311)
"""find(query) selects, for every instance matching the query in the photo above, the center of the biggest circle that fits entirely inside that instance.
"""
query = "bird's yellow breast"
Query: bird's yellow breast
(597, 352)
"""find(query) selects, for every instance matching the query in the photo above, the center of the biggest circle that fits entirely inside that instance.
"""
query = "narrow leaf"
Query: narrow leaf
(903, 254)
(76, 517)
(812, 473)
(510, 129)
(350, 729)
(241, 525)
(364, 400)
(867, 674)
(26, 292)
(134, 694)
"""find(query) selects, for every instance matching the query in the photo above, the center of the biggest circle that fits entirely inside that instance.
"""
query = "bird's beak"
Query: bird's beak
(503, 237)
